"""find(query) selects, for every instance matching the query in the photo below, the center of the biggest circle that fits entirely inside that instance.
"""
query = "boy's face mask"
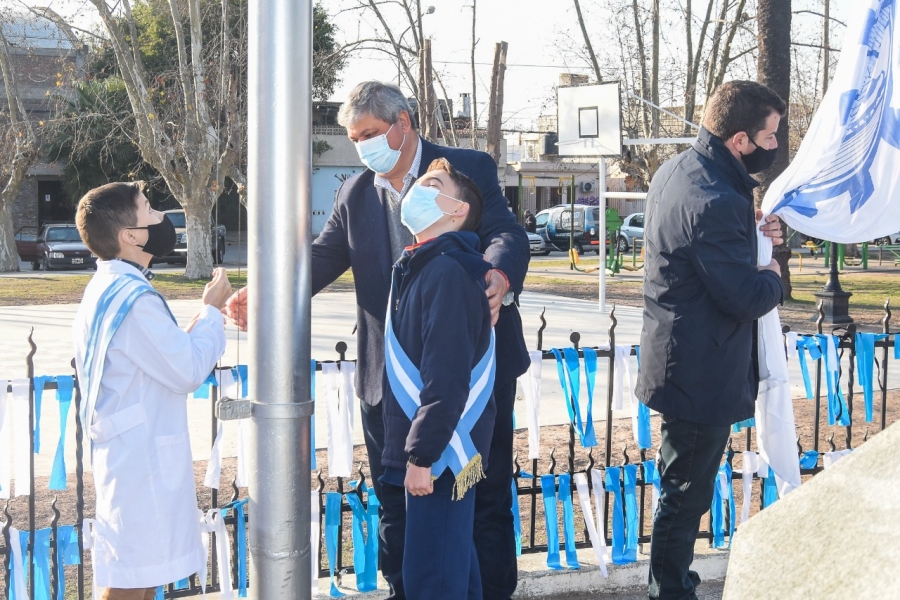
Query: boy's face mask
(161, 238)
(419, 209)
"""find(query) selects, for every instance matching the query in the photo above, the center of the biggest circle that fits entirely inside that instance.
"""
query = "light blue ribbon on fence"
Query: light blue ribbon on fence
(809, 460)
(629, 476)
(65, 385)
(332, 524)
(807, 344)
(614, 486)
(770, 489)
(565, 496)
(651, 476)
(865, 367)
(571, 390)
(66, 554)
(202, 392)
(897, 346)
(517, 518)
(736, 428)
(717, 511)
(312, 418)
(160, 593)
(240, 532)
(551, 519)
(183, 584)
(365, 547)
(645, 436)
(838, 413)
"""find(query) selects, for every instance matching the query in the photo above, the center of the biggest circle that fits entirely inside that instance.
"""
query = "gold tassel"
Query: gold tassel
(471, 474)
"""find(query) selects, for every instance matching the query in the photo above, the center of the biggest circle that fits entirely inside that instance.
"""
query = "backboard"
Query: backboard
(589, 120)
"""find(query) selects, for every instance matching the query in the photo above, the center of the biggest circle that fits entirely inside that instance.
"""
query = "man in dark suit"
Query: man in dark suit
(703, 293)
(364, 233)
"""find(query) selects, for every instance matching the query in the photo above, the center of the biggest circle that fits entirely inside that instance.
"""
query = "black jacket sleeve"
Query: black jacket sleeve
(330, 251)
(719, 250)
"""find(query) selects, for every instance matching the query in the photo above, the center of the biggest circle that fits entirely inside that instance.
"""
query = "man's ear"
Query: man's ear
(405, 121)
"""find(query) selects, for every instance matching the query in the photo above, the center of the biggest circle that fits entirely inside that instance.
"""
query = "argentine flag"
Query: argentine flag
(844, 183)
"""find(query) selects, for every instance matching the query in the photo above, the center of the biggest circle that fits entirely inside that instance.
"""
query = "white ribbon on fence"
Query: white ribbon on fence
(18, 572)
(584, 499)
(87, 535)
(339, 395)
(228, 388)
(830, 458)
(531, 386)
(5, 447)
(212, 522)
(749, 466)
(243, 454)
(624, 381)
(21, 392)
(314, 539)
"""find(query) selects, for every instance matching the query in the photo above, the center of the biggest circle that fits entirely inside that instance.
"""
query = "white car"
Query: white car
(632, 231)
(536, 244)
(889, 240)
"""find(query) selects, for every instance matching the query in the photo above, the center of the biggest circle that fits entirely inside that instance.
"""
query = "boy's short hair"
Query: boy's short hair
(741, 106)
(105, 211)
(468, 192)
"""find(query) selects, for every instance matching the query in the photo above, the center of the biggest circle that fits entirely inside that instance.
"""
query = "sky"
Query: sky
(535, 30)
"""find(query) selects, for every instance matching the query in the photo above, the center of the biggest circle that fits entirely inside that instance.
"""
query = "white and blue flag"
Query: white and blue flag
(844, 183)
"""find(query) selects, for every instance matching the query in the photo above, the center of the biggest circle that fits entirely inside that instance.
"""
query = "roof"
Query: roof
(28, 30)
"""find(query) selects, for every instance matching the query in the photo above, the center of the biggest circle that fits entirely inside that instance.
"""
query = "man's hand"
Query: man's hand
(496, 289)
(771, 228)
(772, 266)
(236, 308)
(218, 289)
(418, 480)
(191, 323)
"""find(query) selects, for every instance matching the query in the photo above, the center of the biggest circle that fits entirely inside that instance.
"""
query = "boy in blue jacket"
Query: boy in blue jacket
(438, 407)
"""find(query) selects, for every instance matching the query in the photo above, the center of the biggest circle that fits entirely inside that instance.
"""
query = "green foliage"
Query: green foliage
(93, 139)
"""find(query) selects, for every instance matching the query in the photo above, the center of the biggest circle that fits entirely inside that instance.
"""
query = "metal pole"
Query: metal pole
(601, 186)
(279, 285)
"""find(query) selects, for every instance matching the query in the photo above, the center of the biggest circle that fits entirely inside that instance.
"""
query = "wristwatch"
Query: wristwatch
(509, 297)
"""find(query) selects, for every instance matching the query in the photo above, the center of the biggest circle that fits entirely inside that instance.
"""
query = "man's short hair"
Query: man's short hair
(105, 211)
(741, 106)
(468, 192)
(384, 101)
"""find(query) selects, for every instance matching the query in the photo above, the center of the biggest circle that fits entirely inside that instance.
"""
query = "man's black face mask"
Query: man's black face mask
(760, 159)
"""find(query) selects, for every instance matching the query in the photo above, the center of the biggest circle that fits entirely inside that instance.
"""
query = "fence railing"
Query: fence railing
(20, 513)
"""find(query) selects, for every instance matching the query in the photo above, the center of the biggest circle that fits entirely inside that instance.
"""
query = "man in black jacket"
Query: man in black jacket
(703, 293)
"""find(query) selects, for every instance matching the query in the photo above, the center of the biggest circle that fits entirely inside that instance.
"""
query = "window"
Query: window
(63, 234)
(541, 220)
(177, 219)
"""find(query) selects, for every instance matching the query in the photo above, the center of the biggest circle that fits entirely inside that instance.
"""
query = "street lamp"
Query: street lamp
(397, 46)
(835, 301)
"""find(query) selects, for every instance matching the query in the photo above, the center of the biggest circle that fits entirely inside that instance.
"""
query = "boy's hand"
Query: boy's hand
(217, 290)
(496, 289)
(192, 322)
(418, 480)
(236, 308)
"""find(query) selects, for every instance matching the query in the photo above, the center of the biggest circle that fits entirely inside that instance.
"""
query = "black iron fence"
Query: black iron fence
(48, 582)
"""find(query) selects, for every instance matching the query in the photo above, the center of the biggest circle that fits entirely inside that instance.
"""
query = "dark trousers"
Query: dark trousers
(439, 560)
(494, 536)
(690, 455)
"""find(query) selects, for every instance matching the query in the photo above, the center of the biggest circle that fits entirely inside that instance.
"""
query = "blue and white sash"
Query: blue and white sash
(111, 310)
(460, 455)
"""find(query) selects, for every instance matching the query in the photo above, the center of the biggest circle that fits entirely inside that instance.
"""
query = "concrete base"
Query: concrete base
(537, 581)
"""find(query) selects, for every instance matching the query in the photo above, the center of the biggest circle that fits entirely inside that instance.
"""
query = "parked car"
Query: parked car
(888, 240)
(179, 254)
(536, 243)
(555, 224)
(56, 246)
(631, 232)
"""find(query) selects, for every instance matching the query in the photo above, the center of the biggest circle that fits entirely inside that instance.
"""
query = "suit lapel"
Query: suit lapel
(376, 223)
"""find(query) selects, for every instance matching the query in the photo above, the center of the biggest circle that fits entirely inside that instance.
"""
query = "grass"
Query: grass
(870, 290)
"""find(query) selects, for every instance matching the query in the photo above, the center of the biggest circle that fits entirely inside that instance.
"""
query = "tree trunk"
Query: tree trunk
(774, 39)
(9, 259)
(587, 43)
(197, 215)
(495, 115)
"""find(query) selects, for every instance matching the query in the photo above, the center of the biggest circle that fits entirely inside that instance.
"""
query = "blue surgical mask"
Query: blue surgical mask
(377, 154)
(419, 209)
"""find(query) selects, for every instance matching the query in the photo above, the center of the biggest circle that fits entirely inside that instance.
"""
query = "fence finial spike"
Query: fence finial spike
(552, 462)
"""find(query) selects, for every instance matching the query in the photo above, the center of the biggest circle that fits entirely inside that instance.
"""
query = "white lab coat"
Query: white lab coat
(147, 529)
